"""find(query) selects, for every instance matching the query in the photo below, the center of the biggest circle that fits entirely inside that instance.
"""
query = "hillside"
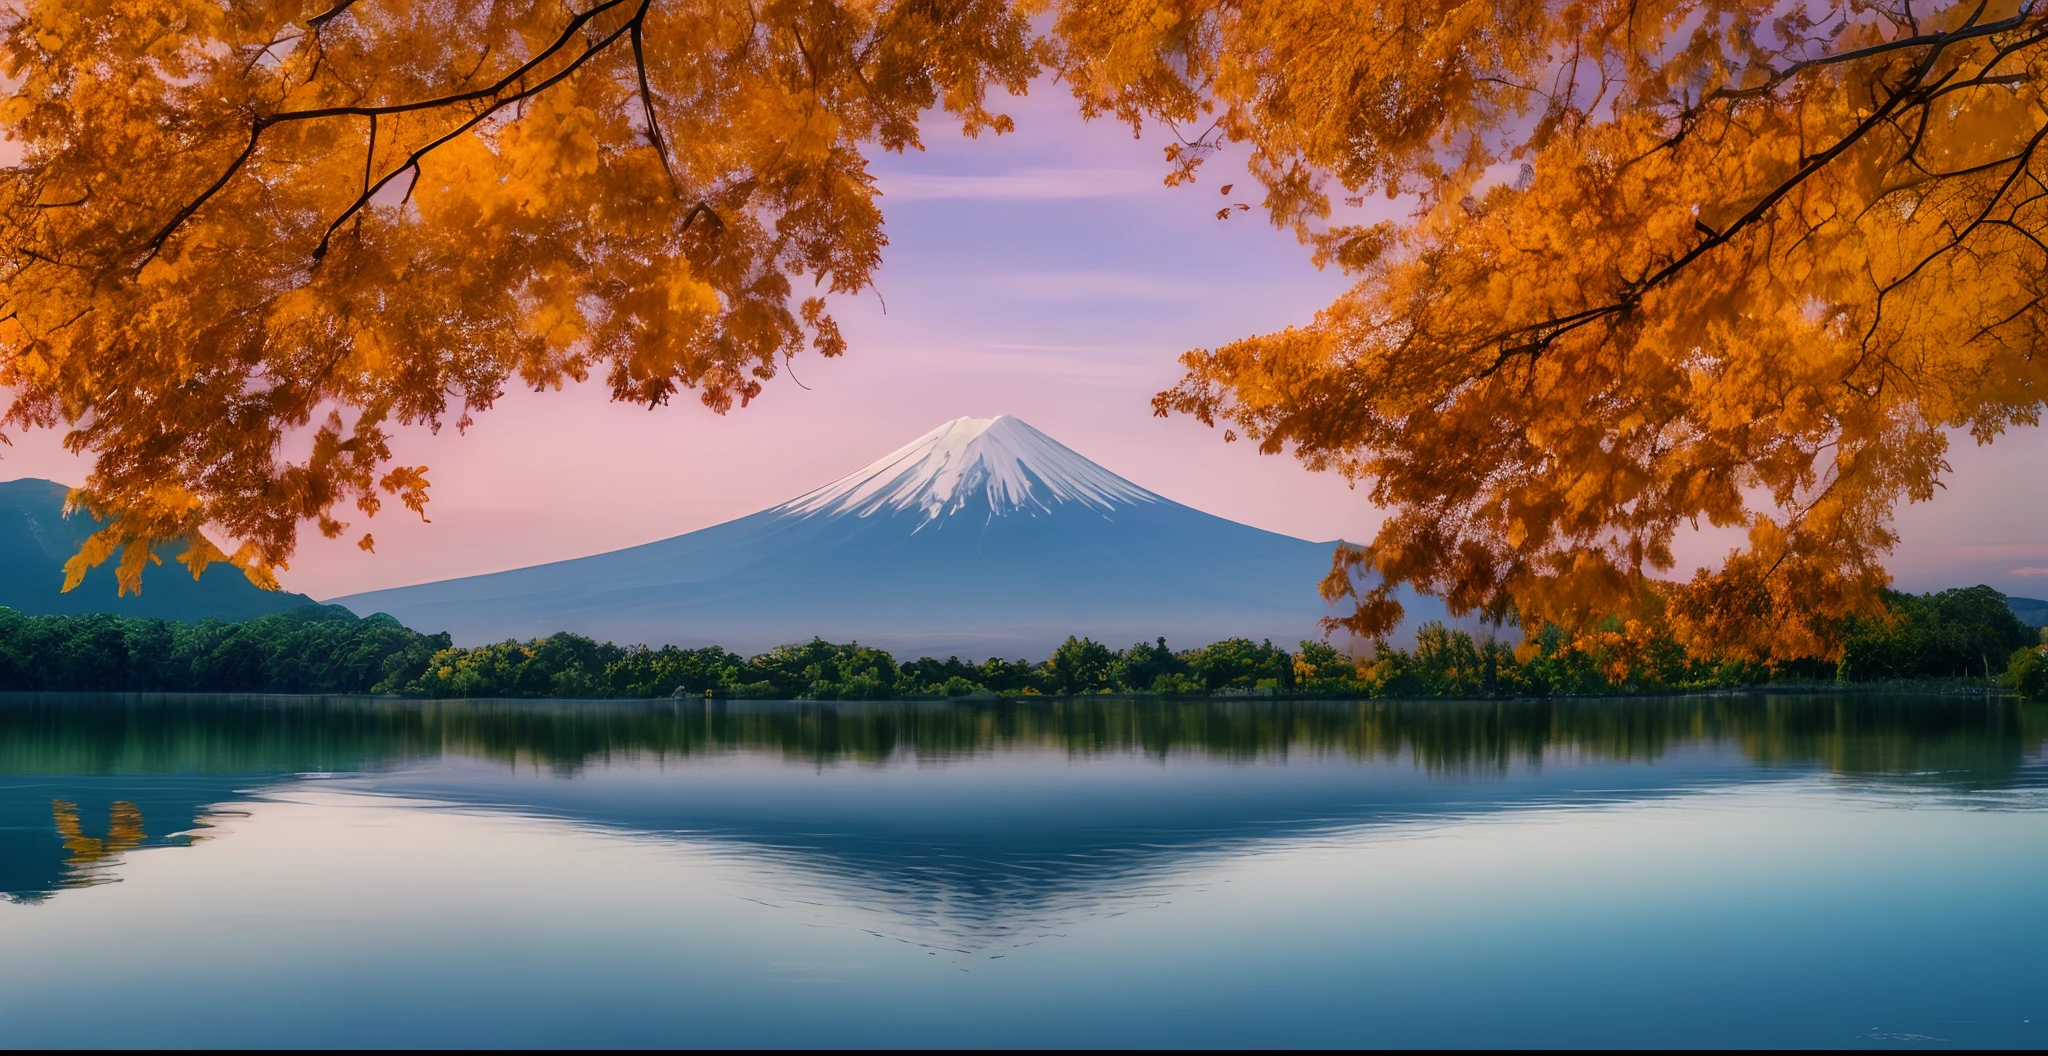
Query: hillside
(36, 538)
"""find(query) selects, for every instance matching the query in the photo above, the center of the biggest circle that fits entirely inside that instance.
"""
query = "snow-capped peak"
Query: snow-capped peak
(1001, 460)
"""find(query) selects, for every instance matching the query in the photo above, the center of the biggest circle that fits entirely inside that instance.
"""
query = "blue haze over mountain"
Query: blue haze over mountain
(982, 537)
(37, 537)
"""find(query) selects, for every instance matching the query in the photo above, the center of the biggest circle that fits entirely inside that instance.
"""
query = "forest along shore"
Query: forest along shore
(1963, 637)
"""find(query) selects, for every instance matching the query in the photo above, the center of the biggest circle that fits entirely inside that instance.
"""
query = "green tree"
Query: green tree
(1240, 663)
(1140, 668)
(1078, 666)
(2026, 671)
(1964, 632)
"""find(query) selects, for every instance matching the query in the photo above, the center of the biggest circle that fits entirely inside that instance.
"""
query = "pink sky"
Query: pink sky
(1046, 274)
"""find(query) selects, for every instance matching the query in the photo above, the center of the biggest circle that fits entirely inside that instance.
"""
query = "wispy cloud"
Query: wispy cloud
(1005, 347)
(2030, 572)
(1090, 286)
(1068, 366)
(1071, 364)
(1025, 183)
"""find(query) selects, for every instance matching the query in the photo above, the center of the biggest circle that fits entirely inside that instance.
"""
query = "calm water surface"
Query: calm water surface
(1804, 871)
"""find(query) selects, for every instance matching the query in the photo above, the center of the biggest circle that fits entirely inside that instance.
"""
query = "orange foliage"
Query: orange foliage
(237, 221)
(1725, 262)
(1729, 263)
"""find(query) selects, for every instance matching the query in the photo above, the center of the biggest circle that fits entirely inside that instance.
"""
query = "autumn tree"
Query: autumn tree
(1670, 264)
(1732, 263)
(236, 223)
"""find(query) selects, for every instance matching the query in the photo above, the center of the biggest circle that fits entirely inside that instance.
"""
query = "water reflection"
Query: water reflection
(980, 819)
(66, 831)
(139, 734)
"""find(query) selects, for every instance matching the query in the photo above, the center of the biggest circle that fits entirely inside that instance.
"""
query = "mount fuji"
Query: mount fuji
(982, 537)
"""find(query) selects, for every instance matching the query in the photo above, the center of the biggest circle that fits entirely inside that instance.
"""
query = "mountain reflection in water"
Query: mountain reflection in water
(1042, 808)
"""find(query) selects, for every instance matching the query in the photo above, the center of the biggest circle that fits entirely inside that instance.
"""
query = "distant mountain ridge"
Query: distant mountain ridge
(982, 537)
(36, 538)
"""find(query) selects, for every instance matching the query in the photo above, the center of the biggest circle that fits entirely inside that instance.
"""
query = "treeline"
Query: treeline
(315, 649)
(1967, 633)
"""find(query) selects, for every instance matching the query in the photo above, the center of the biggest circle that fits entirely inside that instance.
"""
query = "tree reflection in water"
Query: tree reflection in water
(177, 757)
(124, 833)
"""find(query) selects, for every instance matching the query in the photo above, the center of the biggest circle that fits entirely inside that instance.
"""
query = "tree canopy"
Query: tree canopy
(1728, 262)
(236, 220)
(1677, 263)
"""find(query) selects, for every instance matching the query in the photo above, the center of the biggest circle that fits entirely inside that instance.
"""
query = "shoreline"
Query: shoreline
(1933, 688)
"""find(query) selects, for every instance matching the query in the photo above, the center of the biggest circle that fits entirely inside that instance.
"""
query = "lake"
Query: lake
(1815, 871)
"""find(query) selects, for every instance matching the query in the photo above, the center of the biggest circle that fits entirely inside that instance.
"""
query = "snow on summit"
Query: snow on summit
(966, 462)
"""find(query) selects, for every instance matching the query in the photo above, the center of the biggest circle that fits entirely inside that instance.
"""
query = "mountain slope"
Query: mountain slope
(36, 538)
(982, 537)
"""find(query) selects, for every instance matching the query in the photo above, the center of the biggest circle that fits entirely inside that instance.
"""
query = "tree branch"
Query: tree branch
(157, 244)
(1532, 340)
(262, 123)
(1968, 31)
(413, 159)
(329, 15)
(703, 209)
(370, 154)
(647, 101)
